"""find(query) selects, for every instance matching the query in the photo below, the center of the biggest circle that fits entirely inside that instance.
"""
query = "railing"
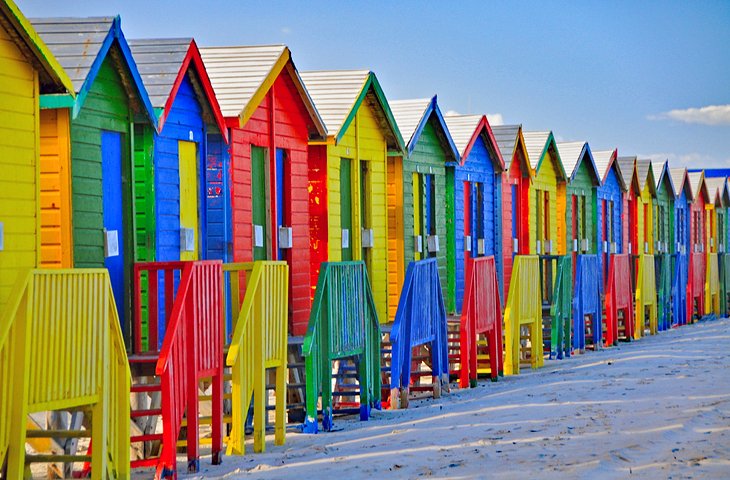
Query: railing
(258, 342)
(663, 271)
(712, 285)
(343, 323)
(619, 298)
(481, 314)
(61, 344)
(680, 288)
(419, 319)
(725, 271)
(192, 350)
(523, 308)
(645, 296)
(697, 285)
(587, 302)
(560, 303)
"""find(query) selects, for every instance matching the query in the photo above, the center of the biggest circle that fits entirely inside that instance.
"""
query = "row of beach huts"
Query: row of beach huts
(188, 234)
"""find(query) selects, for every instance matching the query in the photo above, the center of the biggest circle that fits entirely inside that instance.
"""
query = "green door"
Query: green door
(346, 208)
(258, 201)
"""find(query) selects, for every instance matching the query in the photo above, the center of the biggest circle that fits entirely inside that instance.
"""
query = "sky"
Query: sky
(651, 78)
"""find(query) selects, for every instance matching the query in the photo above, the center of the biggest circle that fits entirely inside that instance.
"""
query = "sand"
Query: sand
(654, 408)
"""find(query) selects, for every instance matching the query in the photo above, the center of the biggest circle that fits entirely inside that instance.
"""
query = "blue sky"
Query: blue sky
(651, 77)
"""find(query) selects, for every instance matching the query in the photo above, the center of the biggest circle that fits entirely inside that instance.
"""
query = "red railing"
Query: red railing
(480, 314)
(619, 297)
(696, 285)
(192, 350)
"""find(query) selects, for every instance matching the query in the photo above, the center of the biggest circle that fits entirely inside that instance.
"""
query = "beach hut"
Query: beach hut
(716, 214)
(682, 245)
(30, 77)
(417, 192)
(547, 195)
(270, 120)
(183, 206)
(515, 196)
(698, 240)
(347, 175)
(111, 108)
(647, 206)
(631, 204)
(583, 180)
(664, 218)
(474, 199)
(609, 208)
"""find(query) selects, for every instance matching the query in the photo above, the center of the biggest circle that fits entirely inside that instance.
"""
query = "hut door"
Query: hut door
(478, 226)
(188, 162)
(468, 240)
(633, 227)
(111, 161)
(516, 210)
(258, 203)
(346, 208)
(429, 213)
(281, 189)
(419, 241)
(365, 209)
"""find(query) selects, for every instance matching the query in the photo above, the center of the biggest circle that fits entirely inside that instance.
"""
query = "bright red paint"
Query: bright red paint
(519, 175)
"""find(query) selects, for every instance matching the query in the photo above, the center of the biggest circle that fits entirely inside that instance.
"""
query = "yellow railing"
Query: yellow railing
(645, 296)
(258, 342)
(523, 309)
(61, 344)
(712, 285)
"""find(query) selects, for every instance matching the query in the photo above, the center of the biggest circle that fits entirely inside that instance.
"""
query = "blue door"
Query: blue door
(111, 162)
(280, 189)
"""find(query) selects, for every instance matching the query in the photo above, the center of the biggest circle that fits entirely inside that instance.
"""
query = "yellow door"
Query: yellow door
(188, 158)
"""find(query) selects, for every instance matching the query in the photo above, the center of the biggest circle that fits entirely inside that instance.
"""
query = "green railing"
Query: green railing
(663, 270)
(343, 323)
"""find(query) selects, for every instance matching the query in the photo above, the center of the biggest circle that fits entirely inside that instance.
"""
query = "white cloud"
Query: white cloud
(709, 115)
(285, 30)
(689, 160)
(495, 119)
(452, 112)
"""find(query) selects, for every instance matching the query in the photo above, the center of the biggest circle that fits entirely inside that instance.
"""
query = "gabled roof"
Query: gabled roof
(465, 129)
(716, 189)
(163, 64)
(697, 185)
(508, 138)
(645, 174)
(52, 77)
(81, 45)
(629, 173)
(538, 144)
(680, 180)
(242, 76)
(412, 116)
(605, 159)
(338, 95)
(664, 175)
(572, 153)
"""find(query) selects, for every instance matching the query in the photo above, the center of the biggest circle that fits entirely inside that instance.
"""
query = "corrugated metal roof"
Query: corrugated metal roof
(506, 137)
(570, 154)
(237, 72)
(678, 178)
(535, 143)
(335, 92)
(658, 168)
(408, 115)
(602, 159)
(75, 42)
(462, 128)
(643, 167)
(158, 61)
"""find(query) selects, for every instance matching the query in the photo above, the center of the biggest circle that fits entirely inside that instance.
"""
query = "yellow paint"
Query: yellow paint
(188, 158)
(363, 141)
(396, 269)
(55, 189)
(523, 309)
(712, 285)
(47, 332)
(18, 164)
(547, 184)
(710, 233)
(646, 298)
(259, 341)
(645, 216)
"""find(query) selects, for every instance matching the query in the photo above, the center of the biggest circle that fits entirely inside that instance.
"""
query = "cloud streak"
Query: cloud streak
(689, 160)
(494, 118)
(709, 115)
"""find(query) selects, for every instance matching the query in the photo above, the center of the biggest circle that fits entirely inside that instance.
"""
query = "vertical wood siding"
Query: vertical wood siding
(291, 134)
(55, 189)
(396, 232)
(19, 155)
(582, 186)
(546, 180)
(610, 191)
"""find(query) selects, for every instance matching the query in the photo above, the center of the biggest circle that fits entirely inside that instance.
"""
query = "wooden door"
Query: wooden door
(258, 203)
(188, 172)
(113, 216)
(346, 207)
